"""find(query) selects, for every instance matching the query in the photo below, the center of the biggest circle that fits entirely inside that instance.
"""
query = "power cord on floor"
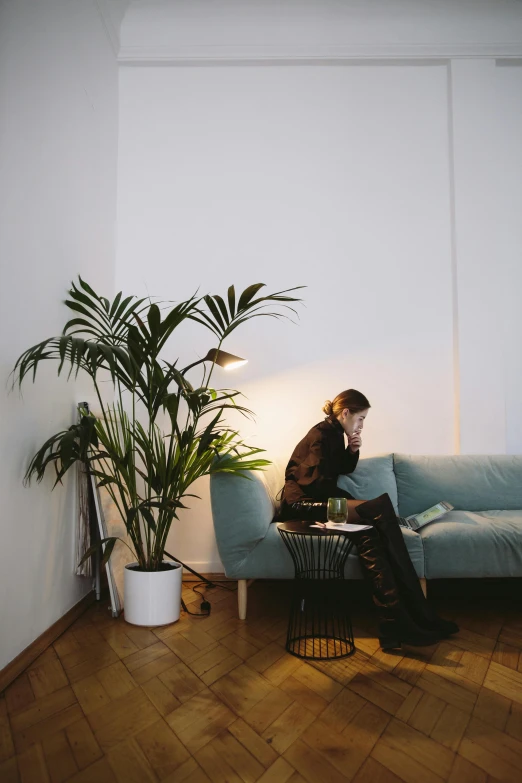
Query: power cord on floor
(205, 605)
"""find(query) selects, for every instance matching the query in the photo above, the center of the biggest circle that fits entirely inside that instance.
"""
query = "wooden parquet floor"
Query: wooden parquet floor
(217, 699)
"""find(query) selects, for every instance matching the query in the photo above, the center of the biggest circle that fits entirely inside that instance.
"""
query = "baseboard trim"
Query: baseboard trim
(212, 576)
(19, 664)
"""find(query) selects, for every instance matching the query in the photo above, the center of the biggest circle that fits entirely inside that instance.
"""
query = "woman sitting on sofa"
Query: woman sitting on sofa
(311, 478)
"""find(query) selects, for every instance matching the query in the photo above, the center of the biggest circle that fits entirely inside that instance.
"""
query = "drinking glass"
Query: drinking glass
(337, 510)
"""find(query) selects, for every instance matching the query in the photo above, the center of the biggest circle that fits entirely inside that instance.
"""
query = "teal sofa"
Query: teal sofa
(481, 537)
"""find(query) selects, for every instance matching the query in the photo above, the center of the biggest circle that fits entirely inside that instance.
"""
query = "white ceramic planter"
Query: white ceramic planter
(152, 597)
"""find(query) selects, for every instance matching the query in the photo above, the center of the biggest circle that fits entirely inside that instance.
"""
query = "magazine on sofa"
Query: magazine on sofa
(416, 521)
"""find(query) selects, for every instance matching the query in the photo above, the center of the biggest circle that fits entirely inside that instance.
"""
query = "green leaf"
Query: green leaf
(249, 294)
(86, 325)
(154, 319)
(204, 320)
(78, 308)
(96, 548)
(214, 310)
(107, 550)
(171, 404)
(86, 287)
(131, 516)
(222, 307)
(208, 435)
(149, 518)
(106, 480)
(115, 304)
(62, 349)
(142, 328)
(232, 300)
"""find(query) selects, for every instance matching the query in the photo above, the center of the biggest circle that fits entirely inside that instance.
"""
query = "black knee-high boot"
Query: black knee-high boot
(395, 624)
(380, 513)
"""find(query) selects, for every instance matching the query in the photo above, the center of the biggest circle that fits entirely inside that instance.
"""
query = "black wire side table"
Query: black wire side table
(320, 625)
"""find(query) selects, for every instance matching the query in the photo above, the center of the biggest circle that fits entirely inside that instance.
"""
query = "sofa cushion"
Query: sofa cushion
(372, 477)
(468, 482)
(474, 544)
(270, 559)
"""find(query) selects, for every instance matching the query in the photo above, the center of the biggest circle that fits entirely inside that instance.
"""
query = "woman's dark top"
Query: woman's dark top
(315, 465)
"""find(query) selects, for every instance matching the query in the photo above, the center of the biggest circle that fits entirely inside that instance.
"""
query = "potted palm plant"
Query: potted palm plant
(157, 433)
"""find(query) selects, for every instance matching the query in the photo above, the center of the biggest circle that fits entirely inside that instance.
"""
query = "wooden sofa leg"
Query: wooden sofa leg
(424, 587)
(242, 588)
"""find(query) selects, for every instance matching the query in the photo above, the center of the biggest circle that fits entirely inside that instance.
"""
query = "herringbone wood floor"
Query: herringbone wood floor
(217, 699)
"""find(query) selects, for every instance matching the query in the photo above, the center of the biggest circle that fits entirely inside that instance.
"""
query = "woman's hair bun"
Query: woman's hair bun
(328, 408)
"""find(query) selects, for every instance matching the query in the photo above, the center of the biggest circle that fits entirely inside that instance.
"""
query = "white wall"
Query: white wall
(390, 187)
(333, 177)
(58, 131)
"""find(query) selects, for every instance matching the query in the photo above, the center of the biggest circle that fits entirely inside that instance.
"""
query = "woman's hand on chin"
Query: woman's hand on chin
(355, 442)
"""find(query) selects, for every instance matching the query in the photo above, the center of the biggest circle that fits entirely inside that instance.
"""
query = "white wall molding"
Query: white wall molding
(454, 267)
(168, 32)
(112, 32)
(210, 54)
(112, 13)
(478, 266)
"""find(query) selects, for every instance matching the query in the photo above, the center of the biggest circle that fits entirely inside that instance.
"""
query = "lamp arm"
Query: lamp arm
(194, 364)
(211, 356)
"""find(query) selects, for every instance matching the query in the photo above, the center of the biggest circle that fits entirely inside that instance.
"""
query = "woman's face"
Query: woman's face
(352, 422)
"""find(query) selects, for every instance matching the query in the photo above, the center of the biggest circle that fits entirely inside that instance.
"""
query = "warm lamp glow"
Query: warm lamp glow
(225, 360)
(235, 365)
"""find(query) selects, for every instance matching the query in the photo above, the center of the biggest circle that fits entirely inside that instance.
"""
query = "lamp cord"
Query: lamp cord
(205, 604)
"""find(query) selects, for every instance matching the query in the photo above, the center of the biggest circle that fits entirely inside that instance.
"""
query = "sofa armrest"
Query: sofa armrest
(242, 512)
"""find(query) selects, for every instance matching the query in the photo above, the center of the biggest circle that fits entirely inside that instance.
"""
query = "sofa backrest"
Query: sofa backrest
(242, 510)
(372, 477)
(468, 482)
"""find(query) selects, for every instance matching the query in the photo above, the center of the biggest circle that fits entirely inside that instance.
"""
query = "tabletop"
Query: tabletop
(305, 528)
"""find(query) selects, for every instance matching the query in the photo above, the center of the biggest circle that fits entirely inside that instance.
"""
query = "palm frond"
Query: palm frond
(223, 317)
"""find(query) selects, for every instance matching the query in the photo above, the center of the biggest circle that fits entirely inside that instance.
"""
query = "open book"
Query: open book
(416, 521)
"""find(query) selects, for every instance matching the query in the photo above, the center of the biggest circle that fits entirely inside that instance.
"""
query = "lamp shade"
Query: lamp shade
(223, 359)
